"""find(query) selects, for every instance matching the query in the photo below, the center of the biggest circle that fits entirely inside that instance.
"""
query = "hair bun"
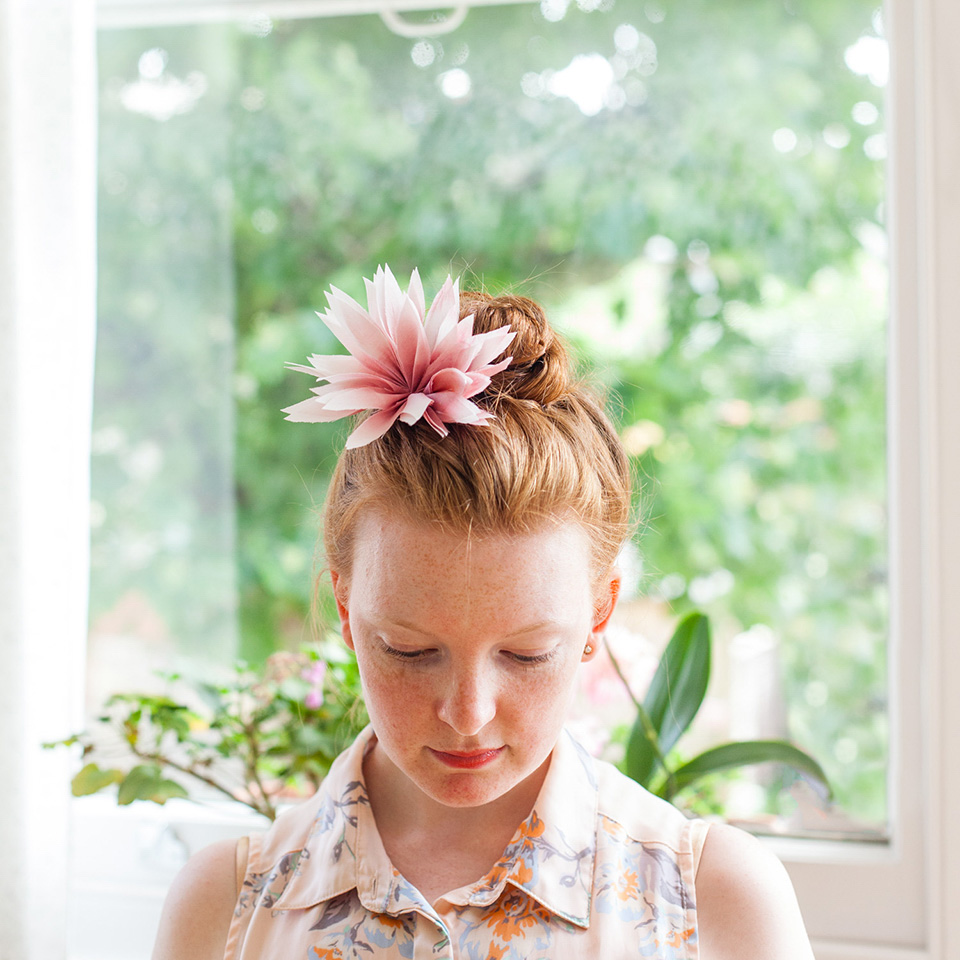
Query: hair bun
(540, 370)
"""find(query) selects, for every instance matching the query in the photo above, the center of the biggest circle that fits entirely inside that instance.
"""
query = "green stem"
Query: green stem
(159, 758)
(250, 732)
(649, 731)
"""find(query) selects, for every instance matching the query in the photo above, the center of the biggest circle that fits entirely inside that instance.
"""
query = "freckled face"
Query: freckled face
(468, 650)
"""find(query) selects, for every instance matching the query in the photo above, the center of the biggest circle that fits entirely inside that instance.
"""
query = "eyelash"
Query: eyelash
(538, 658)
(404, 654)
(408, 655)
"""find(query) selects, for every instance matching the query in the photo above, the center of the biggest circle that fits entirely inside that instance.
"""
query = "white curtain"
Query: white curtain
(47, 314)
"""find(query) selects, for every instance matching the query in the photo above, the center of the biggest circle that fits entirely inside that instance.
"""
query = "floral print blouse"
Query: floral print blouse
(600, 868)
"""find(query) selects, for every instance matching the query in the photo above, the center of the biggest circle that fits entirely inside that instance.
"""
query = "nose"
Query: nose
(469, 702)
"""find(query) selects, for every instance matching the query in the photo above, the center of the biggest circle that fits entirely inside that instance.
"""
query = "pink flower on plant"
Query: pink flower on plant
(314, 675)
(404, 362)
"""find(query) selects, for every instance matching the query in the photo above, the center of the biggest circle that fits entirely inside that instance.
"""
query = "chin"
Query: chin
(464, 789)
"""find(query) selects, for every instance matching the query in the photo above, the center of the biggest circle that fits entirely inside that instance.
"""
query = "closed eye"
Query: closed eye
(534, 658)
(404, 654)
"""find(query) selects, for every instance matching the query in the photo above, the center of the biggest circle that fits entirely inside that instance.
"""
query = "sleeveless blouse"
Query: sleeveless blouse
(600, 868)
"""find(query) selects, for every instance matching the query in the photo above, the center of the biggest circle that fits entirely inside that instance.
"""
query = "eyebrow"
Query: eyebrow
(532, 628)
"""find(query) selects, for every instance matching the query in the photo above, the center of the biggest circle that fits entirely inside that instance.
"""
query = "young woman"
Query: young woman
(471, 529)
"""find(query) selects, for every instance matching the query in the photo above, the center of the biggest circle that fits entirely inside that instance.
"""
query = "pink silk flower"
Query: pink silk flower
(403, 362)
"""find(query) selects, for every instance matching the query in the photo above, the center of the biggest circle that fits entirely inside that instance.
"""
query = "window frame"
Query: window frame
(900, 893)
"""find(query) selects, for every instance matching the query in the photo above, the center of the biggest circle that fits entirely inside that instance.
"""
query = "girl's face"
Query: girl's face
(468, 649)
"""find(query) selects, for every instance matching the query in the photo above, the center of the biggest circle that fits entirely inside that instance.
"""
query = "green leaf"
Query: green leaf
(673, 698)
(146, 782)
(168, 790)
(91, 779)
(139, 784)
(742, 754)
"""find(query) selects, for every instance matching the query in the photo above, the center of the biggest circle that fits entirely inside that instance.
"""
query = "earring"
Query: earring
(588, 649)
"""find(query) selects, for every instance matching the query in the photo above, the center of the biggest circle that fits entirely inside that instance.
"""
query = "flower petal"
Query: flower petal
(490, 345)
(477, 350)
(478, 383)
(322, 366)
(412, 349)
(450, 379)
(364, 338)
(414, 407)
(355, 381)
(444, 312)
(415, 292)
(372, 428)
(435, 422)
(313, 411)
(359, 398)
(384, 299)
(452, 408)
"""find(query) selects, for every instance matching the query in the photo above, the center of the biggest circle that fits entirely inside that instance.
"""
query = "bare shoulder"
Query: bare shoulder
(746, 907)
(196, 914)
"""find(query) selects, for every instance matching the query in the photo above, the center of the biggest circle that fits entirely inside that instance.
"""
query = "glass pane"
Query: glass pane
(694, 190)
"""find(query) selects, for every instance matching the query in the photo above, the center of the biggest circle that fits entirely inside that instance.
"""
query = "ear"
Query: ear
(608, 594)
(341, 596)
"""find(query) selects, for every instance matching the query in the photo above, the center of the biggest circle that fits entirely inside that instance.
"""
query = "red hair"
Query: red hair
(549, 455)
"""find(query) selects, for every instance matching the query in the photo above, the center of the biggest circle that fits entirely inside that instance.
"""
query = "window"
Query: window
(722, 273)
(904, 615)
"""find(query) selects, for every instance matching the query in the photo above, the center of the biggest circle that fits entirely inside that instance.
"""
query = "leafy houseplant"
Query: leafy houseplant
(672, 701)
(255, 739)
(260, 738)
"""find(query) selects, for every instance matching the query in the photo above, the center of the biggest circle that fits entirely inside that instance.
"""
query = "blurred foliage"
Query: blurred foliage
(265, 735)
(708, 232)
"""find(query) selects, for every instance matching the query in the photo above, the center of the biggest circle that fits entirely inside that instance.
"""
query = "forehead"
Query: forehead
(404, 565)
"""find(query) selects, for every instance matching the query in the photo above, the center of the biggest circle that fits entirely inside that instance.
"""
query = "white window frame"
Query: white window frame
(860, 901)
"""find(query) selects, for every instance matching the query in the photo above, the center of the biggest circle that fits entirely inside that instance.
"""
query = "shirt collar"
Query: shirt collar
(344, 851)
(551, 856)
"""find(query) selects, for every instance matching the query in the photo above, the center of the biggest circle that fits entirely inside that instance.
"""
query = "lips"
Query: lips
(467, 760)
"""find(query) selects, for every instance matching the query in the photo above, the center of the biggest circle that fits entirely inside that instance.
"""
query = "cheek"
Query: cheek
(547, 695)
(393, 694)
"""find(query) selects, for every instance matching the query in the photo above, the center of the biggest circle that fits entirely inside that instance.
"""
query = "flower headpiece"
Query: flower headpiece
(404, 362)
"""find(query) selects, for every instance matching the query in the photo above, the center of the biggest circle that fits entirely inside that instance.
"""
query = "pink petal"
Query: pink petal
(449, 379)
(435, 422)
(414, 407)
(478, 383)
(444, 311)
(380, 388)
(449, 352)
(490, 345)
(372, 428)
(480, 348)
(452, 408)
(354, 380)
(412, 349)
(322, 366)
(371, 347)
(415, 292)
(384, 299)
(359, 398)
(351, 324)
(491, 369)
(456, 349)
(313, 411)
